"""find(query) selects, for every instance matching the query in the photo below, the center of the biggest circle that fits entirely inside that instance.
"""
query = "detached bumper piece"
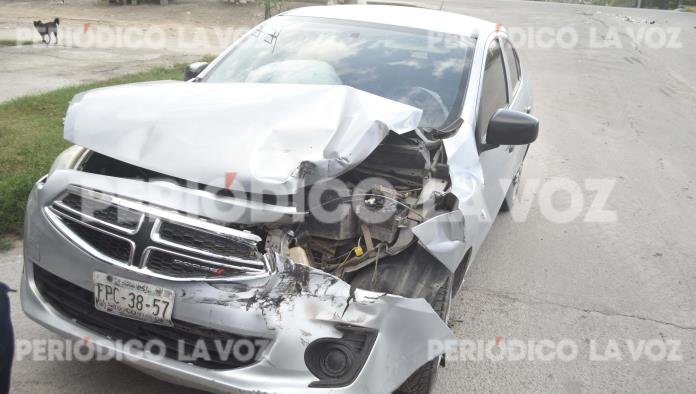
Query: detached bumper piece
(78, 304)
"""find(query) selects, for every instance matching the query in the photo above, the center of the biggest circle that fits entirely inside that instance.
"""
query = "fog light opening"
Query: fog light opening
(336, 362)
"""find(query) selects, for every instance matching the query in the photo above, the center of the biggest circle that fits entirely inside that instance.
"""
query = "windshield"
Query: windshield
(424, 69)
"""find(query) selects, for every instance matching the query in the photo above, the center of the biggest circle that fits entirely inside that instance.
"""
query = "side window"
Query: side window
(493, 89)
(513, 63)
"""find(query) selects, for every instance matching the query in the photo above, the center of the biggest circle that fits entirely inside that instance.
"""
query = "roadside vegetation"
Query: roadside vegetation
(31, 131)
(13, 43)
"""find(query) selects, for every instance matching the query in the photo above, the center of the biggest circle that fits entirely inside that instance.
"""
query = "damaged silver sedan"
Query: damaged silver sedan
(297, 215)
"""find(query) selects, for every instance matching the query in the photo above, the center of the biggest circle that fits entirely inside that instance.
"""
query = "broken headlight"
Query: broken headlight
(68, 159)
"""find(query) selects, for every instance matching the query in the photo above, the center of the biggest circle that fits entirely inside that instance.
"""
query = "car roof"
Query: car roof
(403, 16)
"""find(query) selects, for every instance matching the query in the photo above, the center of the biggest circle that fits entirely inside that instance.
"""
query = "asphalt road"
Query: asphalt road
(625, 114)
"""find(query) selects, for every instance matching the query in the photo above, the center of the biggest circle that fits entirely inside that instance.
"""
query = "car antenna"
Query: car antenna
(442, 5)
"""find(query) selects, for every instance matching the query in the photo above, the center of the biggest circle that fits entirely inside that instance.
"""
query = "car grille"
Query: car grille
(156, 241)
(116, 248)
(78, 304)
(208, 242)
(102, 211)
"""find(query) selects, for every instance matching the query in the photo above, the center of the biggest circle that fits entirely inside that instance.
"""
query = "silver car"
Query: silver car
(294, 217)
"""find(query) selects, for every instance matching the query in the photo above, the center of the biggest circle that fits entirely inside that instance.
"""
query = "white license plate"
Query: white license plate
(133, 299)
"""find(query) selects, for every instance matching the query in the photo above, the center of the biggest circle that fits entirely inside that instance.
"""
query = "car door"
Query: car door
(496, 162)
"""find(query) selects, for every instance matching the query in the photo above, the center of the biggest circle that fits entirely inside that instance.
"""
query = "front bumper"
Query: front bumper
(290, 320)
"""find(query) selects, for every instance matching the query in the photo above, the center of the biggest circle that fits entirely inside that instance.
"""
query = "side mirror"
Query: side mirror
(193, 69)
(508, 127)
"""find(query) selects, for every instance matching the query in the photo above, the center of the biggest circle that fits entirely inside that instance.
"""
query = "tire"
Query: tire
(423, 379)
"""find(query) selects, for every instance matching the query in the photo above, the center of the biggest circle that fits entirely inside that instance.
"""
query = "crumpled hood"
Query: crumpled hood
(262, 138)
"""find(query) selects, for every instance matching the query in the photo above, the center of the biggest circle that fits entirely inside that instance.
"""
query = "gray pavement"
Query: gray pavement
(621, 113)
(30, 69)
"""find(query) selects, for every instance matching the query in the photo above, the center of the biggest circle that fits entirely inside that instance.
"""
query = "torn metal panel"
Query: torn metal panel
(444, 237)
(464, 166)
(265, 133)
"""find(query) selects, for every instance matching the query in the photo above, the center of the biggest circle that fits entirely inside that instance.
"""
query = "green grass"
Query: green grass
(5, 243)
(31, 136)
(12, 43)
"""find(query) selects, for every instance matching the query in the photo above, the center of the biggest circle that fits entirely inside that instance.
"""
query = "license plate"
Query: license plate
(133, 299)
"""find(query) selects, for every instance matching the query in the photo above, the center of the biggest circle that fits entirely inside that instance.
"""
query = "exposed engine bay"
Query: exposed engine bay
(350, 224)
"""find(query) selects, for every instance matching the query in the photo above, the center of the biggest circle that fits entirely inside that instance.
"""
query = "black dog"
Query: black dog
(45, 29)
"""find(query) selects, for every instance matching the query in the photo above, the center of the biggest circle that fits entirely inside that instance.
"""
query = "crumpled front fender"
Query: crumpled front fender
(302, 304)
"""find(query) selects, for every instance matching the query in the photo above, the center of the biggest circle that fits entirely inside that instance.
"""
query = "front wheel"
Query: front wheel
(423, 380)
